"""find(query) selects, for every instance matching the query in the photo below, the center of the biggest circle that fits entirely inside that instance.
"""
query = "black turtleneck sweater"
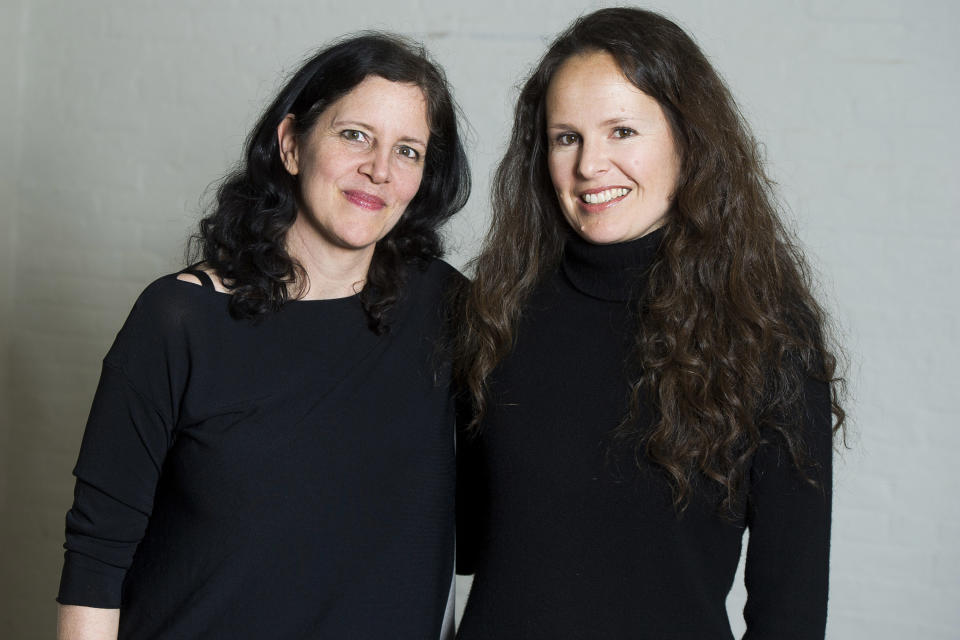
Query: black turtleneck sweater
(569, 538)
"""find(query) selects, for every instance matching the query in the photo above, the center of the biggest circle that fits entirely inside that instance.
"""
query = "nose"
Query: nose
(593, 160)
(377, 165)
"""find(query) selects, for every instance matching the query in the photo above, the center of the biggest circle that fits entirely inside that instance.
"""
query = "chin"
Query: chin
(603, 235)
(356, 239)
(612, 234)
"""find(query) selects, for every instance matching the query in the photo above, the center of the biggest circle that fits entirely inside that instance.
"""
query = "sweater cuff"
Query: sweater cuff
(89, 583)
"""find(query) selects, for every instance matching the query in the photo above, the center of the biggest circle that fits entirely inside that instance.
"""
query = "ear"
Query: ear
(287, 139)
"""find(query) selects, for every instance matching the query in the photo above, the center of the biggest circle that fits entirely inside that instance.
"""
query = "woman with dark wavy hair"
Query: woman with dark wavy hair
(649, 371)
(270, 450)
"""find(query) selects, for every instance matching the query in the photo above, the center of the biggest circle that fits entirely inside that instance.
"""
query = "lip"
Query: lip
(600, 206)
(364, 200)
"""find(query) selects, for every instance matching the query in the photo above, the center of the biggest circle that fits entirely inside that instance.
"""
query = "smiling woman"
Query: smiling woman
(611, 155)
(649, 372)
(270, 448)
(365, 152)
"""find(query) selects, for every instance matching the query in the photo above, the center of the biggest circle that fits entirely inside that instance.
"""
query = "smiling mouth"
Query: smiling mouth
(365, 200)
(605, 196)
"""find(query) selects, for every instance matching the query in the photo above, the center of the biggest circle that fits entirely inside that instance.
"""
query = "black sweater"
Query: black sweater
(568, 538)
(286, 478)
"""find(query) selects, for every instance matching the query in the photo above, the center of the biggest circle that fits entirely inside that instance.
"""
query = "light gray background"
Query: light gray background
(117, 115)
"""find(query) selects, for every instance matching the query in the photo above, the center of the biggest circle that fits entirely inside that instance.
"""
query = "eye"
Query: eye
(408, 152)
(624, 132)
(567, 139)
(353, 135)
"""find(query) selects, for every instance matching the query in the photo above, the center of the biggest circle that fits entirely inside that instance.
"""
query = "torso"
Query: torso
(307, 485)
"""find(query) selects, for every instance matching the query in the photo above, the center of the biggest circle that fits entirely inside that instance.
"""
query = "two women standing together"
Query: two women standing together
(641, 371)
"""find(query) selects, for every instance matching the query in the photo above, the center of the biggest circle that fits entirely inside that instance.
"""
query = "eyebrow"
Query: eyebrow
(364, 125)
(621, 120)
(606, 123)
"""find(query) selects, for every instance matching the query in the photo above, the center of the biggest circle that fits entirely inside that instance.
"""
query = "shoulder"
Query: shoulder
(429, 291)
(193, 276)
(173, 298)
(441, 270)
(164, 313)
(435, 275)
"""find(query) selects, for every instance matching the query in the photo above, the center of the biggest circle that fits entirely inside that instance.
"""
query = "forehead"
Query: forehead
(592, 85)
(384, 103)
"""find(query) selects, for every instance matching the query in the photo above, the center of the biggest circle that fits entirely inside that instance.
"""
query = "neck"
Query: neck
(331, 271)
(612, 272)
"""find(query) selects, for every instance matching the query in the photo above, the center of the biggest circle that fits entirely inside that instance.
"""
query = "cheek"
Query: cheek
(653, 171)
(668, 163)
(558, 168)
(641, 159)
(664, 176)
(319, 172)
(409, 185)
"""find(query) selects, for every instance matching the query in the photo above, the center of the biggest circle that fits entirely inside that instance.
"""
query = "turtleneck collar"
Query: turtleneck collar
(609, 271)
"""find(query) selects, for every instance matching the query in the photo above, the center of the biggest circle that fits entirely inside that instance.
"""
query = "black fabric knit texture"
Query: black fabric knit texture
(286, 478)
(569, 538)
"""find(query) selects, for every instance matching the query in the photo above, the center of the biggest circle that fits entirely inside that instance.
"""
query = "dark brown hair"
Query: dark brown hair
(728, 330)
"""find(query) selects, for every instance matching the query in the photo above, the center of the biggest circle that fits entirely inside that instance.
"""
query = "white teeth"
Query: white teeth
(604, 196)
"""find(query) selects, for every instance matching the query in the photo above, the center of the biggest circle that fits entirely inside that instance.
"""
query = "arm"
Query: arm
(123, 447)
(788, 557)
(86, 623)
(127, 436)
(471, 492)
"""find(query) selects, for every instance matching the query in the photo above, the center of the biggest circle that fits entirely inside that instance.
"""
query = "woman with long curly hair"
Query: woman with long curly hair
(270, 450)
(648, 371)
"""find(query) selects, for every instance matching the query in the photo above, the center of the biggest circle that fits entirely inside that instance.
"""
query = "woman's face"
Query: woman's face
(611, 154)
(360, 164)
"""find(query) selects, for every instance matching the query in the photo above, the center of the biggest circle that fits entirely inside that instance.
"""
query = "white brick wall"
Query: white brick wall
(118, 114)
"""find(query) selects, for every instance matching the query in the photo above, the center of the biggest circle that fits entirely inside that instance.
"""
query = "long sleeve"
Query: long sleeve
(269, 479)
(788, 556)
(127, 436)
(470, 501)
